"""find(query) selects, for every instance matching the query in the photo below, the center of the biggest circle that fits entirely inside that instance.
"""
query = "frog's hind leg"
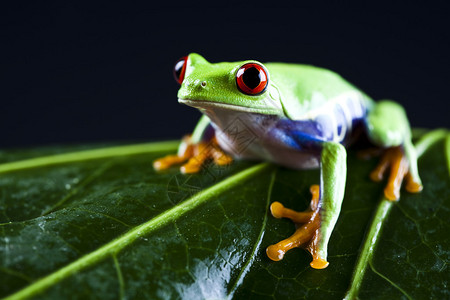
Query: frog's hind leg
(388, 127)
(195, 150)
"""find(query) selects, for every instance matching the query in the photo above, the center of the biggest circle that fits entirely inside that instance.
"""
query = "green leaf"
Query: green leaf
(80, 222)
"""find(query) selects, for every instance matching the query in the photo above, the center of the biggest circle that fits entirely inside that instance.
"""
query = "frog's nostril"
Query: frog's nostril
(203, 84)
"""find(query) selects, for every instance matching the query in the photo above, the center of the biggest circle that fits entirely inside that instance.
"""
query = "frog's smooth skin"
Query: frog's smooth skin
(298, 116)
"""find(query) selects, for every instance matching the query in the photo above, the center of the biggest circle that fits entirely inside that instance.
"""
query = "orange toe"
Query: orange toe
(319, 263)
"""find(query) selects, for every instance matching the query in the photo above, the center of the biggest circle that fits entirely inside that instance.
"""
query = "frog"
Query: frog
(297, 116)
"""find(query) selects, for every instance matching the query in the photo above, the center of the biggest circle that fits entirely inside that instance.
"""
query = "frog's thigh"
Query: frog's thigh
(387, 124)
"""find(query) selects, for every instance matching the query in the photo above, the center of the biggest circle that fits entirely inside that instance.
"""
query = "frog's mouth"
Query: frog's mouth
(203, 104)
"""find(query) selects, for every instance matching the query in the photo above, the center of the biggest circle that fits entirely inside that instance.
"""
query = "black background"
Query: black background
(75, 73)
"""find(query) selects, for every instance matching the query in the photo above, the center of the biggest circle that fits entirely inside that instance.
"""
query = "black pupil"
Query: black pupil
(251, 77)
(178, 68)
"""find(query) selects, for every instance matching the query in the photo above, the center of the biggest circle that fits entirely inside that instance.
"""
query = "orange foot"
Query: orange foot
(306, 235)
(195, 155)
(395, 158)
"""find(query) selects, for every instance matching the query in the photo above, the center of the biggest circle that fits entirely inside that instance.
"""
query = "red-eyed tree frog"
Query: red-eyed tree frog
(298, 116)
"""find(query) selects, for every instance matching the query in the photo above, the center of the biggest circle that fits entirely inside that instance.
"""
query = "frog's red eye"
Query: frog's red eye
(180, 69)
(252, 79)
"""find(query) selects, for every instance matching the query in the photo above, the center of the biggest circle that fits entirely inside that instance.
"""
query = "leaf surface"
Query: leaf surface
(100, 223)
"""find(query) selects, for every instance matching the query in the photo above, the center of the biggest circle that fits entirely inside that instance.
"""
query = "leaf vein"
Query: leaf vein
(390, 281)
(75, 190)
(88, 155)
(119, 277)
(257, 245)
(16, 273)
(104, 215)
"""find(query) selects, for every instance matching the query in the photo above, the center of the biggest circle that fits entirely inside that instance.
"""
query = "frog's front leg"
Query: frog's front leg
(315, 226)
(388, 127)
(194, 150)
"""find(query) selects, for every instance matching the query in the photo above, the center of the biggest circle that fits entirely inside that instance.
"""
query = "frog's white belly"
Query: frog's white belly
(250, 136)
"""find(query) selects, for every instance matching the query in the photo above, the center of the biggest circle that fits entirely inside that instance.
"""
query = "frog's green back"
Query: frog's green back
(304, 88)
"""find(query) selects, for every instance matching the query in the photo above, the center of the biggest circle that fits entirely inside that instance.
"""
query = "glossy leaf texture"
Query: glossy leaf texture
(91, 222)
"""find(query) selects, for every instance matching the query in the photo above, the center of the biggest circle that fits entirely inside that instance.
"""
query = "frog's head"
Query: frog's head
(240, 86)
